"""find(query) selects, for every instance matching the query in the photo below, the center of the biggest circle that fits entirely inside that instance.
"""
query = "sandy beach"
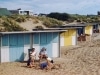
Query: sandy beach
(83, 59)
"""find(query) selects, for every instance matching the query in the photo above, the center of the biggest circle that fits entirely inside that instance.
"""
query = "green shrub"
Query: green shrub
(20, 19)
(49, 22)
(38, 27)
(12, 26)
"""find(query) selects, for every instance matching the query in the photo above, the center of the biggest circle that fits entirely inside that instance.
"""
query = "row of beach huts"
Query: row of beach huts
(14, 46)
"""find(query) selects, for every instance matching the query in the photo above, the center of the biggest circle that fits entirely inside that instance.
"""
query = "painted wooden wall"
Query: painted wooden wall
(27, 45)
(14, 47)
(68, 37)
(48, 40)
(5, 49)
(89, 29)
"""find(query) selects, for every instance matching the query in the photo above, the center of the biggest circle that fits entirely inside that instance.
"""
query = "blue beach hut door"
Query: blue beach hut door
(16, 44)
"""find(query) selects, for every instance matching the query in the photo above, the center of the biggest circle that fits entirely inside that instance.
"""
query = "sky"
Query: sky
(82, 7)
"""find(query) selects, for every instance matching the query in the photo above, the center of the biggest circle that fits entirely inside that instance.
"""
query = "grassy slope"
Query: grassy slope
(20, 23)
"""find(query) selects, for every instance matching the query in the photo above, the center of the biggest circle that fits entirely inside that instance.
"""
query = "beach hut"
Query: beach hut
(89, 29)
(68, 38)
(96, 28)
(80, 28)
(14, 45)
(85, 30)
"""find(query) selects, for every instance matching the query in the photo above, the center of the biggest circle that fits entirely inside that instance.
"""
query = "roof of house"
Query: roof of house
(66, 28)
(36, 31)
(79, 25)
(4, 11)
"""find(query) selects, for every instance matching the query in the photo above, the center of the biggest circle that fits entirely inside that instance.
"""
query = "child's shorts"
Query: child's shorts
(43, 65)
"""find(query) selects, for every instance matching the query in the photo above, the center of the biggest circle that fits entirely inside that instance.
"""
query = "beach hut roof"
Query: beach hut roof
(79, 25)
(36, 31)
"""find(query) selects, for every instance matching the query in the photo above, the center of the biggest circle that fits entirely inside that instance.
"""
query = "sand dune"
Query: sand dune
(29, 25)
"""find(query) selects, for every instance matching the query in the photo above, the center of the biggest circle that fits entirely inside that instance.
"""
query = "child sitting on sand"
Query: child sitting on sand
(32, 55)
(43, 53)
(43, 62)
(46, 63)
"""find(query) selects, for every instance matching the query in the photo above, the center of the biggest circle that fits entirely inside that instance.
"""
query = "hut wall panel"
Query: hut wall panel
(91, 30)
(55, 37)
(74, 35)
(55, 45)
(26, 46)
(5, 48)
(61, 41)
(49, 49)
(72, 32)
(46, 41)
(43, 40)
(67, 39)
(5, 40)
(36, 43)
(13, 54)
(73, 40)
(27, 39)
(36, 38)
(55, 50)
(49, 44)
(5, 54)
(70, 37)
(16, 47)
(88, 30)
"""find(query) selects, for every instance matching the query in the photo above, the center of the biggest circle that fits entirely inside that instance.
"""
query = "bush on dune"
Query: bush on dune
(11, 25)
(49, 22)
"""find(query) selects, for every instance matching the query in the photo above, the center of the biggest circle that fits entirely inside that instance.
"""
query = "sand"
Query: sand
(29, 25)
(83, 59)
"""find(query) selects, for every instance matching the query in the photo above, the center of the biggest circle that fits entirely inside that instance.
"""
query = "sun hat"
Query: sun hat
(43, 48)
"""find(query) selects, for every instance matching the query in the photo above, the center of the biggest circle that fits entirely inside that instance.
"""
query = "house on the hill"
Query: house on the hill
(14, 45)
(4, 12)
(22, 12)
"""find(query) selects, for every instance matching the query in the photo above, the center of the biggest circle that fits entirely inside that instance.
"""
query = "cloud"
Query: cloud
(45, 6)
